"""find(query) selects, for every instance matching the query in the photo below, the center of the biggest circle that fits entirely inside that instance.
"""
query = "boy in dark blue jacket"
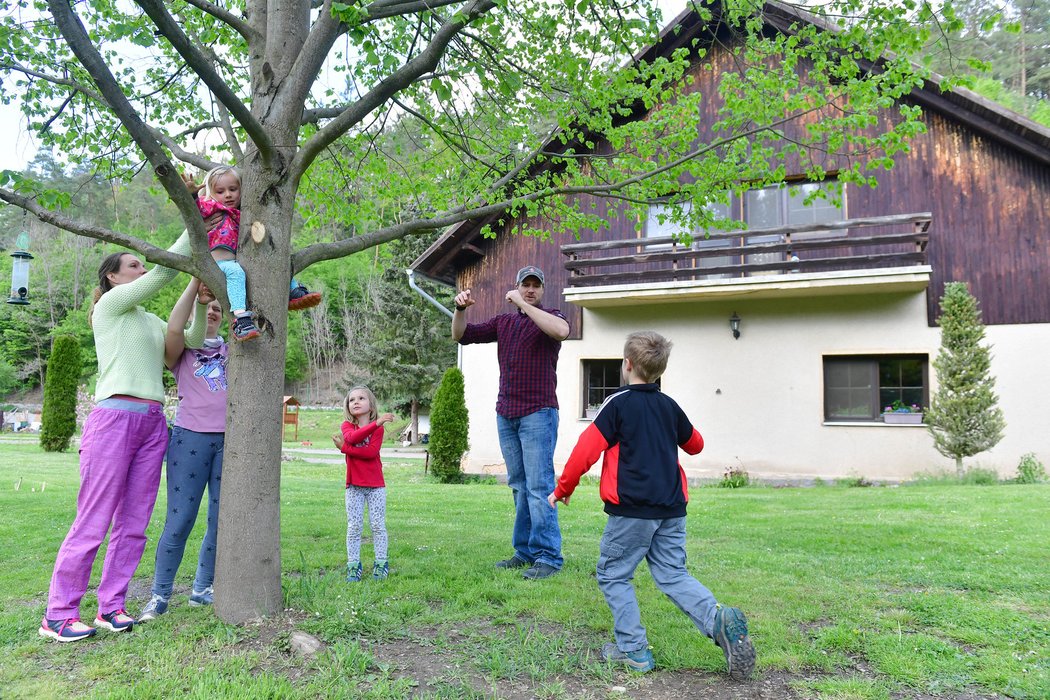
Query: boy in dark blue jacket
(639, 429)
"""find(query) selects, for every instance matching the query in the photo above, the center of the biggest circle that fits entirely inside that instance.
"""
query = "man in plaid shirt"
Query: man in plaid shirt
(527, 343)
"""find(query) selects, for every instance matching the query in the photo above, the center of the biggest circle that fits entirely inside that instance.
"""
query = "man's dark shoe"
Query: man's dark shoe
(539, 571)
(514, 562)
(731, 636)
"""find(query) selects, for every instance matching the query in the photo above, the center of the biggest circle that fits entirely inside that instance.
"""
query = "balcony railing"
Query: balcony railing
(849, 244)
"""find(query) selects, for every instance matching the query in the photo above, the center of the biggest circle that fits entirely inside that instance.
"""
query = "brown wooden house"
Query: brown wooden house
(837, 304)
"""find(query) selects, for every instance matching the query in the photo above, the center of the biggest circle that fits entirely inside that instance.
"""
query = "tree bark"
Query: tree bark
(248, 565)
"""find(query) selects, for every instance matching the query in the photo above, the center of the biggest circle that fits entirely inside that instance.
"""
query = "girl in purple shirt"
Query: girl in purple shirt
(194, 449)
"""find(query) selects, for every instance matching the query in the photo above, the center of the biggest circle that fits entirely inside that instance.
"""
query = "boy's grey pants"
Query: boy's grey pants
(625, 542)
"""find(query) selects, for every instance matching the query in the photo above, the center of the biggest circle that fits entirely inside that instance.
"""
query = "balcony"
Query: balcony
(851, 256)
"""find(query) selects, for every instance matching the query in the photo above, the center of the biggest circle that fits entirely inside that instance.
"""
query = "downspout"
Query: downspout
(412, 283)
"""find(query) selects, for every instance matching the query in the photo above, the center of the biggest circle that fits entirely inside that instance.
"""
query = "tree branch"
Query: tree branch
(425, 62)
(200, 65)
(148, 250)
(72, 29)
(381, 9)
(224, 15)
(327, 251)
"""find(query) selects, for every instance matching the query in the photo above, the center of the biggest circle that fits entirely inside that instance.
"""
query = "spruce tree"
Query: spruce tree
(448, 427)
(59, 418)
(401, 345)
(964, 417)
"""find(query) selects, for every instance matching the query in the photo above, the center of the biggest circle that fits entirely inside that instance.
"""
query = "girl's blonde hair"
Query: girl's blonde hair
(214, 174)
(373, 410)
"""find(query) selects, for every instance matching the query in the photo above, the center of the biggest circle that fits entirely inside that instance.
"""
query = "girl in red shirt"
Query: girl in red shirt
(360, 440)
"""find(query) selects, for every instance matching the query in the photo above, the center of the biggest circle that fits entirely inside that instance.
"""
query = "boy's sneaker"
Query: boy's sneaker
(157, 606)
(731, 636)
(539, 571)
(641, 661)
(205, 597)
(514, 562)
(69, 630)
(300, 298)
(353, 572)
(244, 329)
(116, 621)
(381, 570)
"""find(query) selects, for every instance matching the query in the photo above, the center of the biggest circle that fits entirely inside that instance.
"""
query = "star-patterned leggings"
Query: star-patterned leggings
(356, 497)
(194, 461)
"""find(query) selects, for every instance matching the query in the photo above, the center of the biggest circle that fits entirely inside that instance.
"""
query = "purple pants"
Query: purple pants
(121, 452)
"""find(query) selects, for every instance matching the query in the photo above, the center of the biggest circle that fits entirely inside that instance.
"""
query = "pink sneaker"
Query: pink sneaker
(68, 630)
(116, 621)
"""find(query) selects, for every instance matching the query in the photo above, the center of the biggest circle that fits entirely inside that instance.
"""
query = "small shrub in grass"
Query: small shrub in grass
(855, 482)
(448, 427)
(735, 478)
(980, 476)
(59, 417)
(1030, 470)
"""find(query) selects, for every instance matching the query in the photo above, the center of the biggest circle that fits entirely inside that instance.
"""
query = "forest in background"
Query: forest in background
(372, 328)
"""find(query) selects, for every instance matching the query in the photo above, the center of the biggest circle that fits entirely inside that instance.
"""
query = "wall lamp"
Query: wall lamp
(734, 325)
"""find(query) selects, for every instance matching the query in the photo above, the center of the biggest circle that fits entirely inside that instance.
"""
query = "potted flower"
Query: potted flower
(900, 413)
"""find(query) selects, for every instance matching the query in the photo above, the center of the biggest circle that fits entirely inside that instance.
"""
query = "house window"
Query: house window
(660, 223)
(857, 388)
(784, 205)
(601, 379)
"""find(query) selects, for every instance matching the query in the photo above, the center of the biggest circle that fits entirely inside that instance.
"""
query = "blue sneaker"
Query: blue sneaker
(116, 621)
(641, 660)
(731, 636)
(157, 606)
(205, 597)
(381, 570)
(353, 572)
(69, 630)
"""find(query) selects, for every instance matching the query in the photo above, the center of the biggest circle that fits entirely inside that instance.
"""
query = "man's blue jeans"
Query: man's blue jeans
(625, 542)
(527, 444)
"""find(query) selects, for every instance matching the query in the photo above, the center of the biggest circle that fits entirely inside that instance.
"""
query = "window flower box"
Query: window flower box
(901, 418)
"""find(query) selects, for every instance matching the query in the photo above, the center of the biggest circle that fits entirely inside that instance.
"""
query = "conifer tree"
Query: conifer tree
(401, 346)
(448, 427)
(964, 417)
(59, 418)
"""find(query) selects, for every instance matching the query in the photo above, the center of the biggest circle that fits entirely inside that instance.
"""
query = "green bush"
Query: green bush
(59, 417)
(735, 478)
(980, 476)
(1030, 470)
(448, 427)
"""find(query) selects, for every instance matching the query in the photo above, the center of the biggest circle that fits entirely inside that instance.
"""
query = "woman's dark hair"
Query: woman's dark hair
(110, 264)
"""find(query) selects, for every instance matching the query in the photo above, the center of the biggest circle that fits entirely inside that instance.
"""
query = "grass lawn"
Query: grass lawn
(316, 425)
(852, 593)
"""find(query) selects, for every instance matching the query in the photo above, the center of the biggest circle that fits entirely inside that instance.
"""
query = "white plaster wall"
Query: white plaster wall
(758, 401)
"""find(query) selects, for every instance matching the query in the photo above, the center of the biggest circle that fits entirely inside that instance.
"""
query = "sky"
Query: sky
(19, 149)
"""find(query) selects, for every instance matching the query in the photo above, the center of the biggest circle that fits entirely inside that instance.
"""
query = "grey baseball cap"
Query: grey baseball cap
(530, 271)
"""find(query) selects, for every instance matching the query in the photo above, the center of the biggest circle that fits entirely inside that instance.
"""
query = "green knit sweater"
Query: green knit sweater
(129, 341)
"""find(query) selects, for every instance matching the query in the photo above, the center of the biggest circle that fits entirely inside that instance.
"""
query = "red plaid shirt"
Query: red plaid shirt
(528, 361)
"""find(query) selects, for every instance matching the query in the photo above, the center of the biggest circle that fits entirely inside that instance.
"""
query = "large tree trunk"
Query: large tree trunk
(248, 566)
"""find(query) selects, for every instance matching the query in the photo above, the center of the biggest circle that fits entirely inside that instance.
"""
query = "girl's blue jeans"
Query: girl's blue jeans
(194, 462)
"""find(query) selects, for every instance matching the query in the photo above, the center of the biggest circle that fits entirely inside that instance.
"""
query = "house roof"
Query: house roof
(461, 244)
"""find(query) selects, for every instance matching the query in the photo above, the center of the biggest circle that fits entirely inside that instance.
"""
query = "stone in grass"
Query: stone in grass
(305, 644)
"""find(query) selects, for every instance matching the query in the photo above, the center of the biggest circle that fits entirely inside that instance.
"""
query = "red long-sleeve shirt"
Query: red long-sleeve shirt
(361, 447)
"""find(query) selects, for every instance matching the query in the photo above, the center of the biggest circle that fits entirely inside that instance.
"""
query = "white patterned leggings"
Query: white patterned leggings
(356, 498)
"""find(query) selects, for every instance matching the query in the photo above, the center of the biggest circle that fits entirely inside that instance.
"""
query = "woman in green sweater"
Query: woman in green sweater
(121, 449)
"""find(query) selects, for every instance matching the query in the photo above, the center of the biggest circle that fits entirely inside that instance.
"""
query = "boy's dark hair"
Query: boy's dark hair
(648, 352)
